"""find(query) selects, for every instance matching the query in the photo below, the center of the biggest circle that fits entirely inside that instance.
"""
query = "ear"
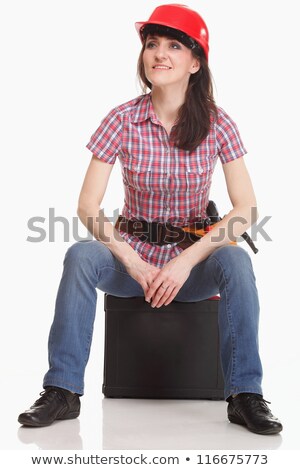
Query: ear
(195, 66)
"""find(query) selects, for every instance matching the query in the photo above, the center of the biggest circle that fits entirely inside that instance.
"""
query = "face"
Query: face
(168, 62)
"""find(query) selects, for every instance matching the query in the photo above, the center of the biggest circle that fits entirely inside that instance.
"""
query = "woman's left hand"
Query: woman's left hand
(168, 282)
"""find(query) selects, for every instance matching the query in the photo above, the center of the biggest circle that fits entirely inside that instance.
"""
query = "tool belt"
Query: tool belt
(161, 233)
(165, 233)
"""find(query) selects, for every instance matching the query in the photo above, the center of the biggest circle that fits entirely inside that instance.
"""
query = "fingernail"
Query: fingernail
(147, 300)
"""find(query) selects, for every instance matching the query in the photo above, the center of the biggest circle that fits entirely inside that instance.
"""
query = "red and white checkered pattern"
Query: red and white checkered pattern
(161, 182)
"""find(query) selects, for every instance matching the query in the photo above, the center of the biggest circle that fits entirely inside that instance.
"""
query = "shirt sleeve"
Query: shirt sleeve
(229, 142)
(105, 143)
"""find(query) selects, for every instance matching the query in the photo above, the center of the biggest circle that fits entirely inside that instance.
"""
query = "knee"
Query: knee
(81, 253)
(233, 259)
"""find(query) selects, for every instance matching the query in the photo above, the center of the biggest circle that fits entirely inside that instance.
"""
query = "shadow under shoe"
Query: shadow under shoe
(252, 411)
(54, 404)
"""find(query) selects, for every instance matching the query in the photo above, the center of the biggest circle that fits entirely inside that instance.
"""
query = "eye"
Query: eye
(150, 45)
(175, 45)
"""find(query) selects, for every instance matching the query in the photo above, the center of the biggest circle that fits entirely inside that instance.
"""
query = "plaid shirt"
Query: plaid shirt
(161, 182)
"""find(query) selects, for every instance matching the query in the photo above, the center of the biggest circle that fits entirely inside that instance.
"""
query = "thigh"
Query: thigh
(206, 277)
(201, 283)
(97, 262)
(114, 279)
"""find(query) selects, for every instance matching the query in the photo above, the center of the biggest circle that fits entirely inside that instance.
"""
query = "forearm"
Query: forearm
(232, 226)
(94, 219)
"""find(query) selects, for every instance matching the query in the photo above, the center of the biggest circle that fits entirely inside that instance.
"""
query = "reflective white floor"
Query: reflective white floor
(143, 424)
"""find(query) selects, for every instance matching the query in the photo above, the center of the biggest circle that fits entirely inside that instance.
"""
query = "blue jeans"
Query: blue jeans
(89, 265)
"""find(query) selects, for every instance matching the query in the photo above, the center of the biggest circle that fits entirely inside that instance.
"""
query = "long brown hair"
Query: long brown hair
(199, 109)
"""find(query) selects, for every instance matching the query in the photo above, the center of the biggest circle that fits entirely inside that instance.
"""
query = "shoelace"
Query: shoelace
(46, 396)
(258, 403)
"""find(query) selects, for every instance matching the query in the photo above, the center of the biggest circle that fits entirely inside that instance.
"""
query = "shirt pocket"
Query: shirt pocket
(138, 180)
(143, 179)
(195, 178)
(193, 181)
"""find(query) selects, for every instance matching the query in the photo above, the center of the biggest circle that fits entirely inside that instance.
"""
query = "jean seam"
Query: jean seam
(114, 269)
(229, 319)
(88, 347)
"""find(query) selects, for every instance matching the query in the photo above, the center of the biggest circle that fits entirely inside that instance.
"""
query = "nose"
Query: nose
(160, 52)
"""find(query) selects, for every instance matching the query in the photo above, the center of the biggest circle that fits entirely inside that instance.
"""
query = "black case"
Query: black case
(166, 352)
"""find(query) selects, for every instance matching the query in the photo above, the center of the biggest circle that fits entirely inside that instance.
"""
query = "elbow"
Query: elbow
(254, 215)
(86, 207)
(79, 211)
(248, 211)
(82, 210)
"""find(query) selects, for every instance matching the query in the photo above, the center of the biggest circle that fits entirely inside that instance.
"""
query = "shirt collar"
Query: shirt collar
(144, 110)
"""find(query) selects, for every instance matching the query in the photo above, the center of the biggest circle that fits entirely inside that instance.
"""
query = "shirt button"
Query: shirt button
(168, 245)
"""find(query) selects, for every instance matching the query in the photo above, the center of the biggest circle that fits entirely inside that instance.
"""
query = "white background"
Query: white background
(64, 65)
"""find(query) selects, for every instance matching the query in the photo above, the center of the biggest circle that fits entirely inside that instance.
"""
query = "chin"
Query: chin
(159, 81)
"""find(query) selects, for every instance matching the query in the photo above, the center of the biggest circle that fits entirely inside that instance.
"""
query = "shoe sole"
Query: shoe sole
(33, 424)
(235, 420)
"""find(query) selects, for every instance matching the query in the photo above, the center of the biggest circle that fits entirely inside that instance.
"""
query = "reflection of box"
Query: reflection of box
(166, 352)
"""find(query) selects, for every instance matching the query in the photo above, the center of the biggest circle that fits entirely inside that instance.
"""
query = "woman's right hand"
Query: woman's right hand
(144, 273)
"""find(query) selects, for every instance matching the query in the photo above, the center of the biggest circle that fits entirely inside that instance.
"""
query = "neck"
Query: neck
(166, 104)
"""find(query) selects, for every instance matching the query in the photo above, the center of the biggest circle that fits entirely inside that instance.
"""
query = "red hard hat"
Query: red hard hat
(182, 18)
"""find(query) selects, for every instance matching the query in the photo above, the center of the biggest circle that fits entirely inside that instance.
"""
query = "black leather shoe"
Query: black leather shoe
(252, 411)
(55, 403)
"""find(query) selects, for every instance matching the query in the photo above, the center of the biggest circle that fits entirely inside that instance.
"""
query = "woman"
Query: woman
(168, 142)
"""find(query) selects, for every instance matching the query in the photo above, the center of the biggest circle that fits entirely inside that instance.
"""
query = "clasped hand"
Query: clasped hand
(161, 285)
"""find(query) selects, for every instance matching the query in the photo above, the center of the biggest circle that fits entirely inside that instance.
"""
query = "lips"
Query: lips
(161, 67)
